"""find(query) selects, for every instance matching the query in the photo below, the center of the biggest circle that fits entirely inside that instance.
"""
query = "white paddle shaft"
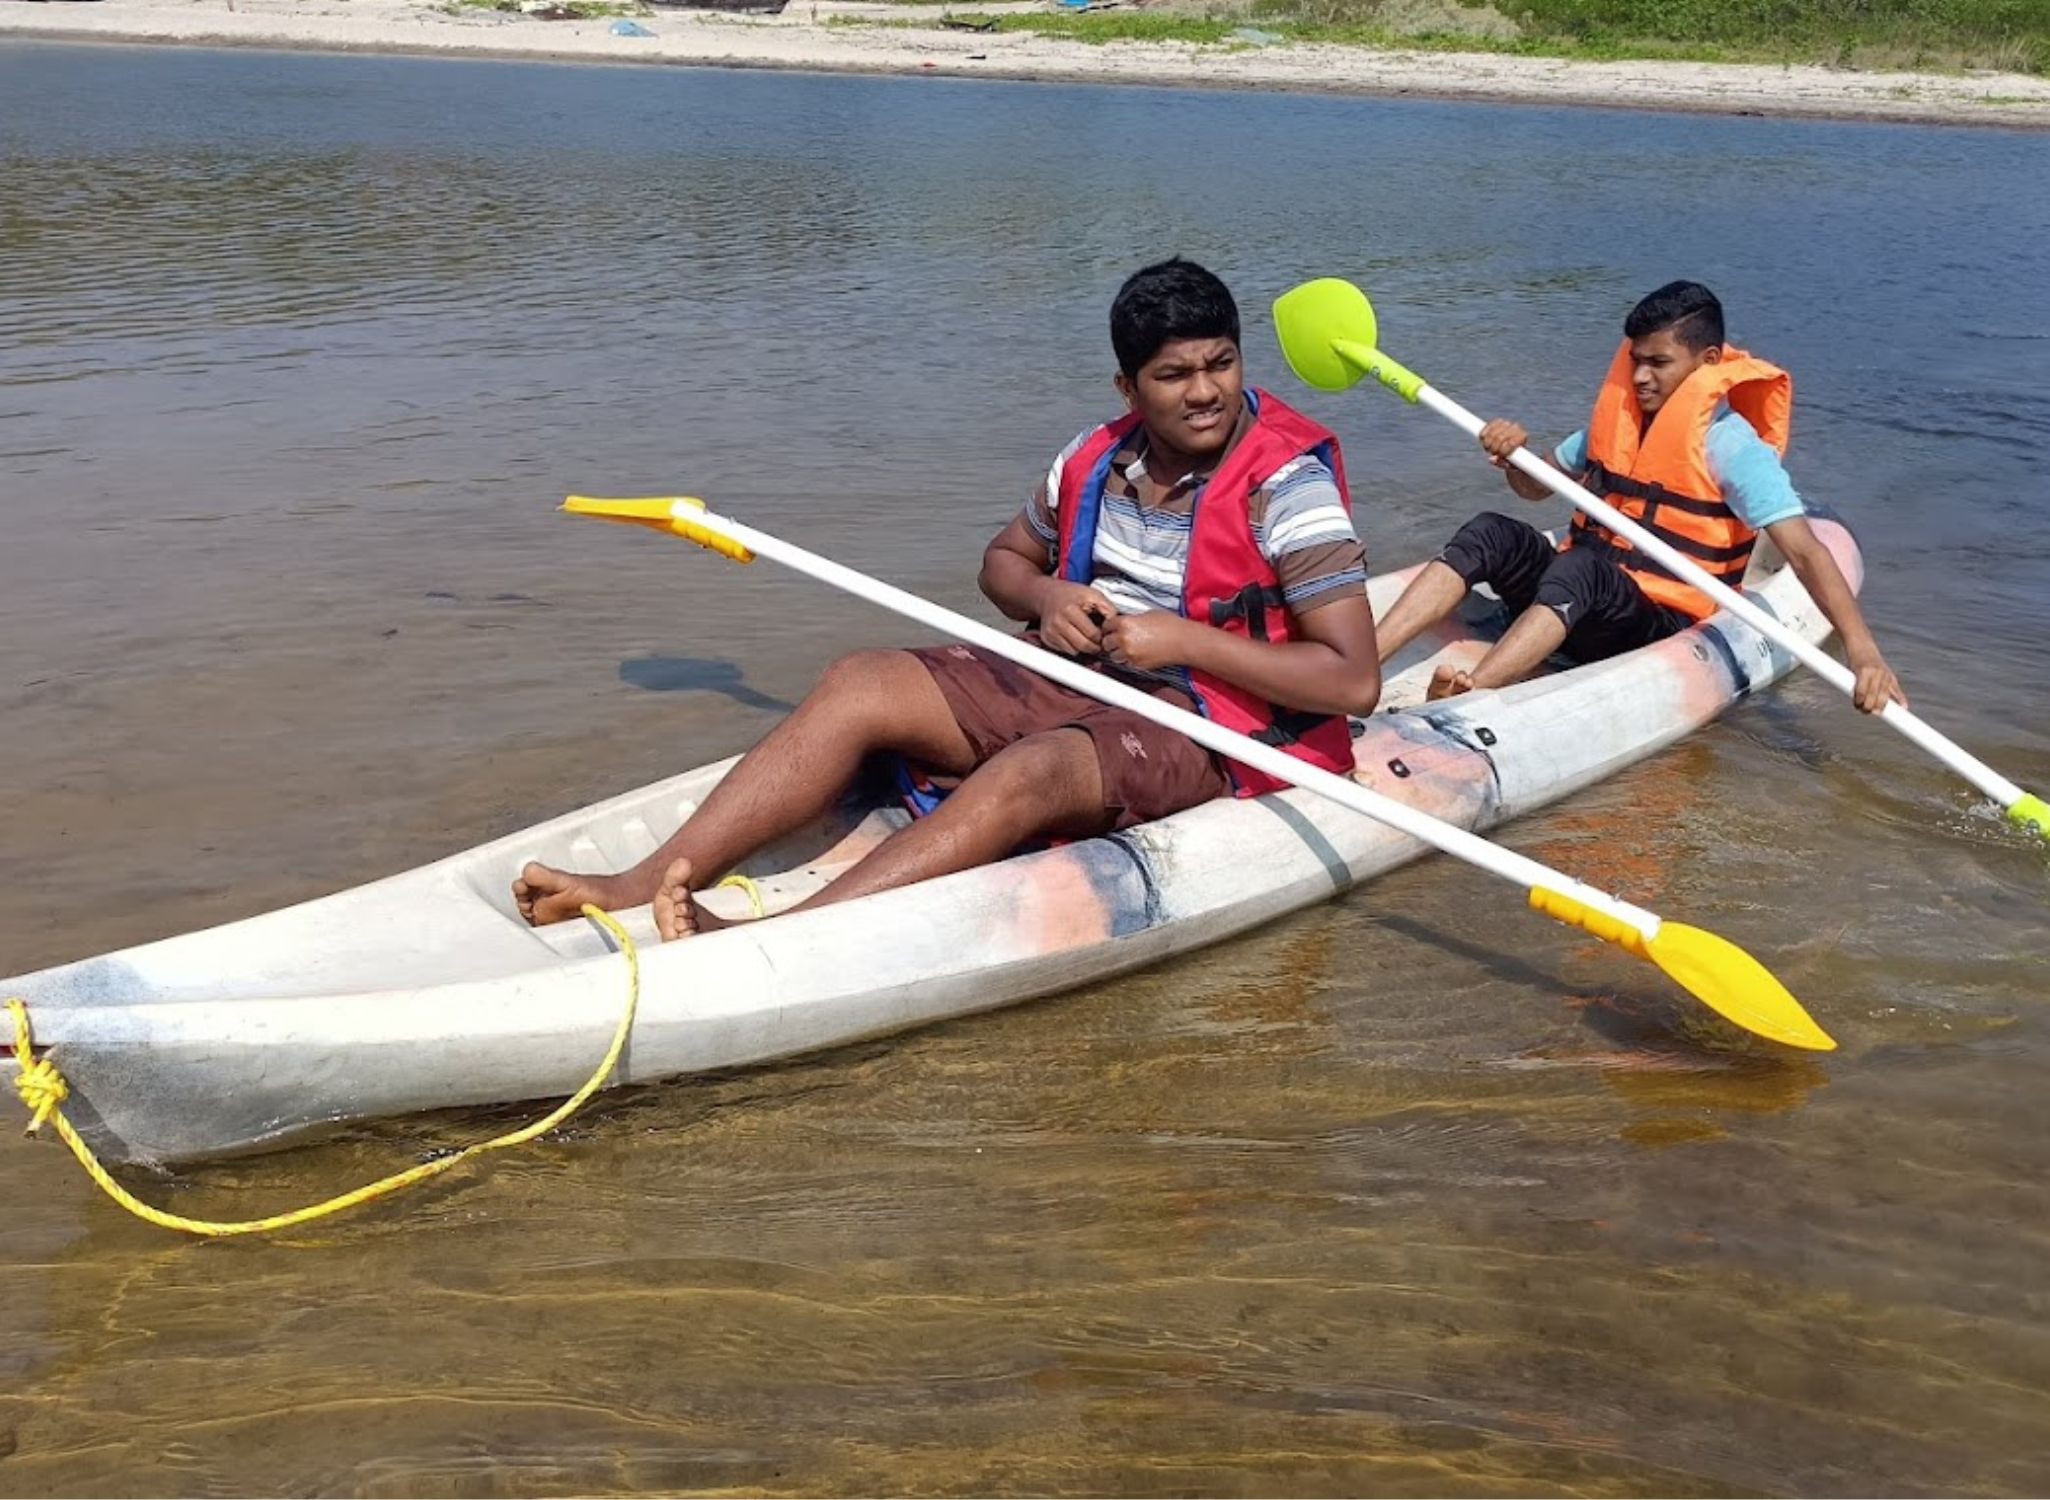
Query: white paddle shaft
(1510, 866)
(1825, 666)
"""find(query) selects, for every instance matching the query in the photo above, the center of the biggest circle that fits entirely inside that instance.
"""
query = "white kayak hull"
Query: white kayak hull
(426, 991)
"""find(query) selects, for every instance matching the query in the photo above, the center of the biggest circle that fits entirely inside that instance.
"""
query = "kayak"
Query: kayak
(425, 990)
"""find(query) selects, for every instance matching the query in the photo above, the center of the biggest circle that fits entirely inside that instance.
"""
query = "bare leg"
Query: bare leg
(1431, 596)
(1046, 785)
(1537, 633)
(869, 702)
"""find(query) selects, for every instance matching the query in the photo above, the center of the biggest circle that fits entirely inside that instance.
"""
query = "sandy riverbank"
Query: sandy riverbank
(803, 38)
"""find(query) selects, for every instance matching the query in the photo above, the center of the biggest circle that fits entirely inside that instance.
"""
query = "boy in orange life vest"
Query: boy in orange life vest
(1665, 450)
(1200, 546)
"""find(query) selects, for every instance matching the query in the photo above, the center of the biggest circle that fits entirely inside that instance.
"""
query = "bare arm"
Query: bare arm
(1831, 591)
(1017, 576)
(1016, 568)
(1331, 668)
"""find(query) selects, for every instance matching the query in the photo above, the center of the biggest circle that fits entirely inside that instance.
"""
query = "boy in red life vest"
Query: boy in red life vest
(1201, 547)
(1685, 440)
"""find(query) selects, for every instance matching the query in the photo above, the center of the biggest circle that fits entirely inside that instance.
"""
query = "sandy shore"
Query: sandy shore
(803, 39)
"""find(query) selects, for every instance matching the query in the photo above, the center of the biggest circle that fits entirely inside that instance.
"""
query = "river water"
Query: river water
(1410, 1193)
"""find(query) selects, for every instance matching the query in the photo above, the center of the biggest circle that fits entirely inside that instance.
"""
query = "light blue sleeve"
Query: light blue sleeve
(1570, 457)
(1755, 483)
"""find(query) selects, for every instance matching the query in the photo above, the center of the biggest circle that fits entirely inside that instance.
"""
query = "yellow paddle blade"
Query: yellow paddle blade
(660, 515)
(1311, 320)
(2032, 812)
(1734, 985)
(1713, 970)
(653, 514)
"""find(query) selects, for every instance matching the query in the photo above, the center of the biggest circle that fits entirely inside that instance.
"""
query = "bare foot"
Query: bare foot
(677, 913)
(544, 895)
(1448, 682)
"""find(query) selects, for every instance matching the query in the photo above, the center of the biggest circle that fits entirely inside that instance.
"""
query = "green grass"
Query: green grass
(1119, 26)
(2007, 33)
(2011, 35)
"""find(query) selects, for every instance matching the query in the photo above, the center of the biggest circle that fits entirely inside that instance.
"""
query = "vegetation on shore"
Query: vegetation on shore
(2013, 35)
(2009, 35)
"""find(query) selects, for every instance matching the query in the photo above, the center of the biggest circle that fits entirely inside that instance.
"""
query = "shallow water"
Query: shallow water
(1405, 1194)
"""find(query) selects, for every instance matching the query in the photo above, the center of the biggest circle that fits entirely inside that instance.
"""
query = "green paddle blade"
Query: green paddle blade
(1310, 321)
(2032, 812)
(1327, 332)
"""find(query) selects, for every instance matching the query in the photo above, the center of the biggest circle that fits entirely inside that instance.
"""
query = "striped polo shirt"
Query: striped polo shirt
(1144, 525)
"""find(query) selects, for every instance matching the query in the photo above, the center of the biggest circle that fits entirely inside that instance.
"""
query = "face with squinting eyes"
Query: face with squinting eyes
(1659, 362)
(1189, 394)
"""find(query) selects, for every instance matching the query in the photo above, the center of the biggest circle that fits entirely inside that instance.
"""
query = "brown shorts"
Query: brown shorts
(1148, 772)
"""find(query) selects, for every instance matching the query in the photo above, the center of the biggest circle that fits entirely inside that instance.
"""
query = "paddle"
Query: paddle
(1718, 973)
(1328, 330)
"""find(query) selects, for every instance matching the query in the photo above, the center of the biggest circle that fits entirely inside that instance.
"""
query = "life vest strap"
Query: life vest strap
(1724, 559)
(1714, 559)
(1250, 604)
(1605, 482)
(1286, 726)
(1289, 726)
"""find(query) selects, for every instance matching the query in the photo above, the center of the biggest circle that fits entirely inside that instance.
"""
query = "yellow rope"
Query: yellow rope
(750, 890)
(43, 1090)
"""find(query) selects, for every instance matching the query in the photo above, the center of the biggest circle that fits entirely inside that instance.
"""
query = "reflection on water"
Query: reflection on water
(1407, 1194)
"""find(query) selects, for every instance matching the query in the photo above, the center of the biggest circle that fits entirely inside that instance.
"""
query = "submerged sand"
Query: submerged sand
(817, 37)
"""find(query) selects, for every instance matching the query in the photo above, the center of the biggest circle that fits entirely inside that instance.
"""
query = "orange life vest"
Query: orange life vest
(1659, 476)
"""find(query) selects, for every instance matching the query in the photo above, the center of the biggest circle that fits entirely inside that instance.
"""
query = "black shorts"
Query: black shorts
(1605, 614)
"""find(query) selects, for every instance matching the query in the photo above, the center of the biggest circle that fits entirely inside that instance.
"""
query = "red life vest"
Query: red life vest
(1659, 476)
(1229, 584)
